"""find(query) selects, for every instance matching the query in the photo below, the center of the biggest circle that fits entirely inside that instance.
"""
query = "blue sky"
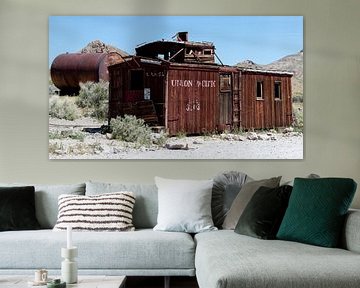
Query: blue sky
(262, 39)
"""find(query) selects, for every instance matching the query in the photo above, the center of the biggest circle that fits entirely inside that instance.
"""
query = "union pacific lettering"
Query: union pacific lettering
(181, 83)
(193, 83)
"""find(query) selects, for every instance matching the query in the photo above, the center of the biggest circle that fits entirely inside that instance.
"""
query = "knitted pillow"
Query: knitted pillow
(105, 212)
(316, 211)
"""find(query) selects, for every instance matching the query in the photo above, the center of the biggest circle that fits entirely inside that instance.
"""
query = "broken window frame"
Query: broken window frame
(225, 82)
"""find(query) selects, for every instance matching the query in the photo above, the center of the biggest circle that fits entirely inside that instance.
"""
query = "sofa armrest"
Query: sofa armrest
(351, 232)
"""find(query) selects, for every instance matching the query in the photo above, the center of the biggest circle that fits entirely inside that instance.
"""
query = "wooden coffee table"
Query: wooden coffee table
(84, 281)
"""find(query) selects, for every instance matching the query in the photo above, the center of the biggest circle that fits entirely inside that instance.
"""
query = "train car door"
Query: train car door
(225, 101)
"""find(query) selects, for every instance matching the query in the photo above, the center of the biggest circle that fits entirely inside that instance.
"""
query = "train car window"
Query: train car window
(225, 82)
(136, 79)
(277, 92)
(259, 90)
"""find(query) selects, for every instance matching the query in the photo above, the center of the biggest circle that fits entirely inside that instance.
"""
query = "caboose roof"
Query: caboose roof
(166, 45)
(266, 71)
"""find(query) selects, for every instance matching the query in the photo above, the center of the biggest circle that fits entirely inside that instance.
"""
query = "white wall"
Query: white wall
(331, 91)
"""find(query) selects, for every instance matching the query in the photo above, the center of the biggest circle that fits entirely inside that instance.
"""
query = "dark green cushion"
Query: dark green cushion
(17, 208)
(263, 214)
(316, 211)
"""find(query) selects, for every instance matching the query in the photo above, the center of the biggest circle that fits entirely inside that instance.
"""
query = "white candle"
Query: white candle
(69, 237)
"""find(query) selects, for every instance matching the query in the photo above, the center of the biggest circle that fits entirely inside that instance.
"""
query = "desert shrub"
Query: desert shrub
(160, 139)
(298, 98)
(131, 129)
(63, 108)
(238, 130)
(78, 148)
(76, 135)
(181, 134)
(94, 98)
(298, 118)
(84, 148)
(53, 90)
(55, 148)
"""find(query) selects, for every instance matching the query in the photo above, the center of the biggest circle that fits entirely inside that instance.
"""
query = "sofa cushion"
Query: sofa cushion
(46, 200)
(243, 198)
(225, 259)
(126, 252)
(105, 212)
(184, 205)
(263, 214)
(17, 208)
(350, 239)
(226, 187)
(317, 209)
(146, 204)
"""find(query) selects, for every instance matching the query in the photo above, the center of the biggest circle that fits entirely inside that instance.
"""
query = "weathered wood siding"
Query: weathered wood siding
(123, 97)
(195, 99)
(192, 100)
(116, 90)
(265, 112)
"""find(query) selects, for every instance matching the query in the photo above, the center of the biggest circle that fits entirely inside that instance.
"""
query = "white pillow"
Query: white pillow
(184, 205)
(104, 212)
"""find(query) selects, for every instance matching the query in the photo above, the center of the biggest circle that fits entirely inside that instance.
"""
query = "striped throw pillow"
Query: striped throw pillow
(105, 212)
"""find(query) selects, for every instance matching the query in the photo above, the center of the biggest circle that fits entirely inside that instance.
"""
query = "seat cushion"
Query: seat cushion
(225, 259)
(136, 250)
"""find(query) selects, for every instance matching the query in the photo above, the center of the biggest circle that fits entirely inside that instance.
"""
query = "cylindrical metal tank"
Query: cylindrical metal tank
(70, 69)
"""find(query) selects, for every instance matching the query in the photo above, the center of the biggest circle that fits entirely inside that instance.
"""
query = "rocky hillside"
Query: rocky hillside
(292, 63)
(97, 46)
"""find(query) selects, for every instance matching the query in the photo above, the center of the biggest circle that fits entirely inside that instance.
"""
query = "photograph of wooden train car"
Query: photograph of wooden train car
(178, 85)
(180, 90)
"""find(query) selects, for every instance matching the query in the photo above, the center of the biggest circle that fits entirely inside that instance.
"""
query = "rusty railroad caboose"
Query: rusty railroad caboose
(178, 85)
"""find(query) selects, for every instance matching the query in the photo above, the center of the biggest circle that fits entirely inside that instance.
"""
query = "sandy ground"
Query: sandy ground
(264, 145)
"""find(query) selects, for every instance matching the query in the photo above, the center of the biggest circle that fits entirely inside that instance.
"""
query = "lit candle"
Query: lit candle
(69, 239)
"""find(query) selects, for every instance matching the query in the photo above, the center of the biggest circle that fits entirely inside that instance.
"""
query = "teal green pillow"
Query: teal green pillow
(316, 211)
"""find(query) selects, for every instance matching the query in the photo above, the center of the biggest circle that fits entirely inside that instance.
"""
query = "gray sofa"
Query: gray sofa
(218, 259)
(142, 252)
(226, 259)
